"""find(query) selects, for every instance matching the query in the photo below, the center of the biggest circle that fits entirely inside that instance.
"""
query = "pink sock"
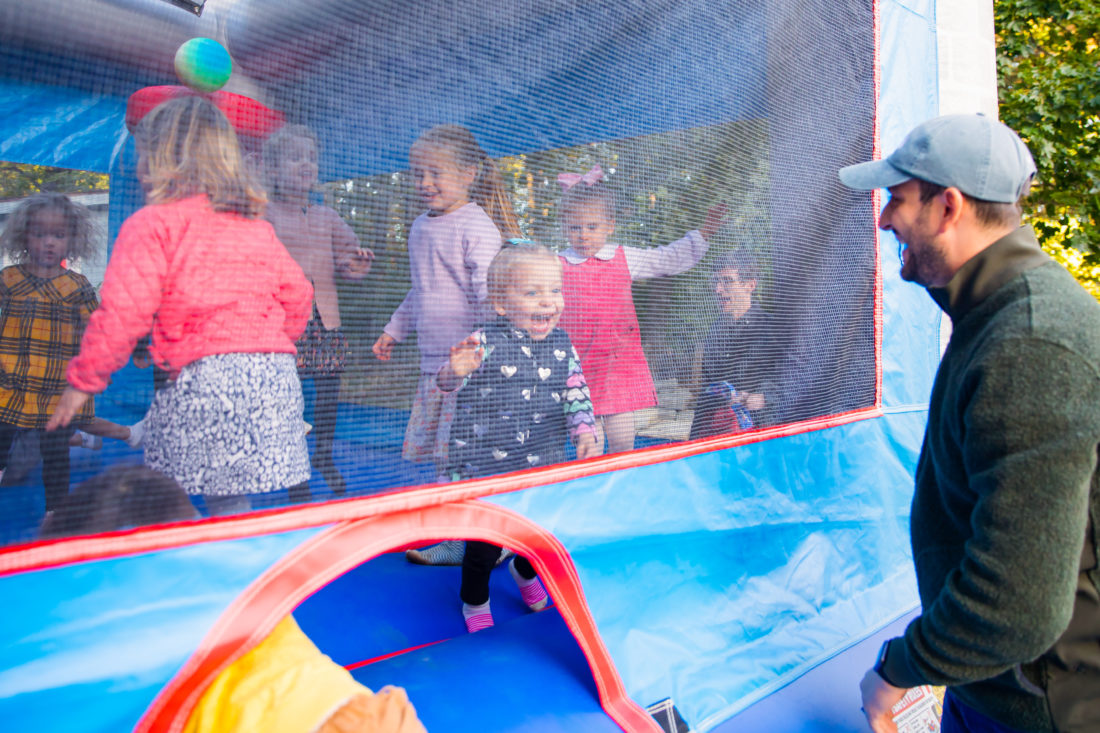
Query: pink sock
(478, 617)
(534, 595)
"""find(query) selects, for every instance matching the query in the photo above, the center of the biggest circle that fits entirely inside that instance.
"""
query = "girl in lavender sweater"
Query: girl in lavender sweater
(450, 248)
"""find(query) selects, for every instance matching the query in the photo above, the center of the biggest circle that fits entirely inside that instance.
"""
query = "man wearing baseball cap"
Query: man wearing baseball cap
(1004, 516)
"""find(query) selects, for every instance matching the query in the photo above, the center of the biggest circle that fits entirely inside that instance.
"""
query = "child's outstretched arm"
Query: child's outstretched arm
(466, 358)
(352, 261)
(68, 406)
(400, 325)
(680, 256)
(132, 290)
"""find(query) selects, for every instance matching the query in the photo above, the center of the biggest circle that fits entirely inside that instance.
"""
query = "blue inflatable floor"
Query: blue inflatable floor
(524, 674)
(527, 672)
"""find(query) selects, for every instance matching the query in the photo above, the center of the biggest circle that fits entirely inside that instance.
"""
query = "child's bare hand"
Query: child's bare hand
(383, 347)
(753, 401)
(466, 356)
(715, 216)
(587, 446)
(70, 403)
(358, 265)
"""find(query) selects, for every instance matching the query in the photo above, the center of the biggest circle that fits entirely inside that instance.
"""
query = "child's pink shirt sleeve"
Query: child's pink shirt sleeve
(130, 296)
(669, 259)
(344, 242)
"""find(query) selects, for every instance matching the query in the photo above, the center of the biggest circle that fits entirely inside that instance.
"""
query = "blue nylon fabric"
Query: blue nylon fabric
(718, 578)
(87, 647)
(909, 95)
(524, 78)
(58, 126)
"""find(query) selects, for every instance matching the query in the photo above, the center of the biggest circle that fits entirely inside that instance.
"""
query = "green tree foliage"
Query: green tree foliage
(664, 182)
(1048, 64)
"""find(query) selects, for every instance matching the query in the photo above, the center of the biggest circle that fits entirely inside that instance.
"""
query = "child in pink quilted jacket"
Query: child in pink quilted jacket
(225, 302)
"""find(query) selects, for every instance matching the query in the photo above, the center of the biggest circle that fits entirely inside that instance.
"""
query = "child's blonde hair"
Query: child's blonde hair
(82, 229)
(514, 253)
(189, 148)
(275, 147)
(487, 190)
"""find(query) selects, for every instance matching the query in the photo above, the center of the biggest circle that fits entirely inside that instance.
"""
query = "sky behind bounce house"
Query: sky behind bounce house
(710, 571)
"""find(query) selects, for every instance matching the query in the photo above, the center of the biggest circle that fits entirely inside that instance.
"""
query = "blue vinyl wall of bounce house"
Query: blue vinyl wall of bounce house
(795, 547)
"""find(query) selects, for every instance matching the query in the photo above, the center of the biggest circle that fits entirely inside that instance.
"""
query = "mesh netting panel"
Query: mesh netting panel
(739, 111)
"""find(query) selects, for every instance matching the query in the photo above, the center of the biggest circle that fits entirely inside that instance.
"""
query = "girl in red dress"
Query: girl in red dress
(599, 307)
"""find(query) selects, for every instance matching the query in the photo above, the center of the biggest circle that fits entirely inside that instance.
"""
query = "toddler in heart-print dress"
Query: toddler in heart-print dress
(521, 395)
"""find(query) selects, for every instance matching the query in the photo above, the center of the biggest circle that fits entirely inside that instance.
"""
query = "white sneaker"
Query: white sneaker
(137, 434)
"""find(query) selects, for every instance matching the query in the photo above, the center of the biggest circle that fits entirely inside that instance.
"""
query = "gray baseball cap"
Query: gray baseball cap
(979, 156)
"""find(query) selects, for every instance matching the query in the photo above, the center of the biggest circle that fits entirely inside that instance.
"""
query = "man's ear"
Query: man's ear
(498, 307)
(953, 202)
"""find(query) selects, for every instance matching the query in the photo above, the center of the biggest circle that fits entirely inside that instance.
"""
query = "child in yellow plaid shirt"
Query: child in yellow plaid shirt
(44, 308)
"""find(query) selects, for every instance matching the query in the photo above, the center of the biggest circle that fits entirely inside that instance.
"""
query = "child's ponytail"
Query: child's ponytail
(487, 190)
(490, 194)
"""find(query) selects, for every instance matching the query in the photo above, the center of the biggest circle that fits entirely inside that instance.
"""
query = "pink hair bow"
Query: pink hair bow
(592, 177)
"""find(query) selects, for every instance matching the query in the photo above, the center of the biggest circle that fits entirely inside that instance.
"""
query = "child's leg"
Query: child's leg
(54, 445)
(477, 564)
(106, 429)
(447, 552)
(619, 432)
(7, 436)
(218, 505)
(326, 389)
(530, 587)
(299, 493)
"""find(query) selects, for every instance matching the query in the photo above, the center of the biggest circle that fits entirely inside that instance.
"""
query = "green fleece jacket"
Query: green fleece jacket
(1007, 494)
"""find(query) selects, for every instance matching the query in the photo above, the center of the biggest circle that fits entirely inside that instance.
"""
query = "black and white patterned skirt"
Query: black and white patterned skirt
(231, 424)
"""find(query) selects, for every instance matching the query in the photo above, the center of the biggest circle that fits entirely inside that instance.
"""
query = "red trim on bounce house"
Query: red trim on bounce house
(318, 561)
(876, 195)
(44, 554)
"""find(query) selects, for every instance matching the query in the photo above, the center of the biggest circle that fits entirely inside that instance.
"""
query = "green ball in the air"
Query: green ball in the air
(203, 64)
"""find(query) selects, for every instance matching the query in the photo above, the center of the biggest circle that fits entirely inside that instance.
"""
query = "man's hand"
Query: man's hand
(879, 698)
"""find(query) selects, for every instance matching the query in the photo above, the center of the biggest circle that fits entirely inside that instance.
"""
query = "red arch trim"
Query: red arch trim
(334, 552)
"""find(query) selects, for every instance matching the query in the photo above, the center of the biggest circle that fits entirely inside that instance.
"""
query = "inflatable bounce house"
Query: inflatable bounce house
(728, 572)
